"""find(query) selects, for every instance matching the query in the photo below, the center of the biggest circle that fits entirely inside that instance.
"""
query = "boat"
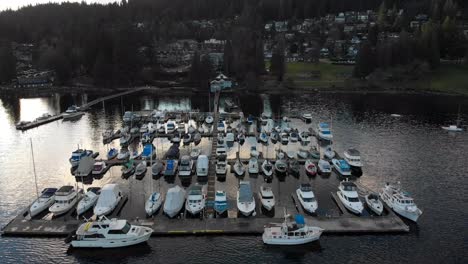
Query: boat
(253, 166)
(44, 201)
(342, 167)
(77, 155)
(290, 232)
(146, 138)
(129, 117)
(170, 127)
(134, 154)
(123, 154)
(108, 199)
(157, 168)
(191, 129)
(112, 154)
(175, 139)
(185, 167)
(89, 200)
(307, 118)
(134, 131)
(153, 203)
(152, 128)
(128, 169)
(187, 138)
(171, 167)
(400, 202)
(99, 167)
(200, 129)
(294, 167)
(348, 195)
(284, 137)
(174, 202)
(106, 233)
(221, 167)
(149, 152)
(220, 204)
(220, 127)
(281, 166)
(396, 115)
(195, 153)
(267, 168)
(125, 139)
(310, 167)
(245, 199)
(85, 167)
(181, 127)
(303, 153)
(65, 199)
(250, 120)
(195, 202)
(353, 158)
(72, 114)
(263, 137)
(241, 138)
(140, 170)
(324, 167)
(374, 203)
(229, 139)
(304, 137)
(197, 138)
(324, 132)
(254, 152)
(307, 198)
(202, 166)
(274, 137)
(290, 154)
(294, 136)
(452, 128)
(173, 152)
(209, 119)
(329, 153)
(314, 153)
(239, 168)
(144, 128)
(267, 198)
(280, 154)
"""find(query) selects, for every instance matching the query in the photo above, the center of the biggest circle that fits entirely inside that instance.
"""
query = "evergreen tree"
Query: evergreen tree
(7, 63)
(228, 57)
(365, 62)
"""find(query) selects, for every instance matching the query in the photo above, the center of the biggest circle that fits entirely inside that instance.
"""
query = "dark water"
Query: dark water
(429, 162)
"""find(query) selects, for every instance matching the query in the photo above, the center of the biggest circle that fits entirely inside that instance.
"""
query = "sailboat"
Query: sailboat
(154, 201)
(456, 127)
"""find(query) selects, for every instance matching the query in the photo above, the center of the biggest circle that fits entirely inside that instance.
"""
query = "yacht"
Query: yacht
(374, 203)
(307, 197)
(452, 128)
(281, 166)
(220, 205)
(310, 167)
(174, 202)
(99, 167)
(348, 195)
(89, 200)
(106, 233)
(307, 118)
(324, 167)
(324, 132)
(221, 167)
(44, 201)
(267, 168)
(185, 167)
(267, 197)
(108, 199)
(78, 154)
(291, 232)
(353, 157)
(239, 168)
(65, 199)
(245, 199)
(253, 166)
(342, 167)
(153, 203)
(195, 202)
(400, 201)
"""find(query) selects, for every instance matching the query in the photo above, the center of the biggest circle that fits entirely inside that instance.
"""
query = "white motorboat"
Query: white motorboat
(400, 201)
(181, 127)
(191, 129)
(128, 169)
(221, 127)
(353, 157)
(220, 205)
(281, 166)
(221, 152)
(89, 200)
(239, 168)
(229, 139)
(294, 136)
(245, 199)
(307, 197)
(329, 153)
(195, 153)
(348, 195)
(209, 120)
(452, 128)
(324, 132)
(185, 167)
(374, 203)
(77, 155)
(267, 168)
(221, 167)
(304, 137)
(290, 154)
(197, 138)
(342, 167)
(157, 168)
(203, 165)
(108, 199)
(153, 203)
(195, 202)
(267, 197)
(253, 166)
(144, 128)
(44, 201)
(106, 233)
(171, 127)
(141, 169)
(187, 138)
(284, 137)
(324, 167)
(291, 232)
(174, 202)
(310, 167)
(65, 199)
(99, 167)
(123, 154)
(307, 118)
(254, 152)
(303, 153)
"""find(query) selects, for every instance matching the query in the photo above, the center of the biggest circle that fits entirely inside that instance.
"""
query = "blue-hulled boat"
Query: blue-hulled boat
(77, 155)
(112, 153)
(148, 152)
(220, 205)
(324, 131)
(342, 167)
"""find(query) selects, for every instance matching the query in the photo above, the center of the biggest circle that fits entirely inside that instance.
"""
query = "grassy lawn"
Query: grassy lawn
(450, 78)
(330, 74)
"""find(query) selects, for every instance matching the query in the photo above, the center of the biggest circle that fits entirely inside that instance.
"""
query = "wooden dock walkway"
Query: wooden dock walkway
(86, 106)
(40, 122)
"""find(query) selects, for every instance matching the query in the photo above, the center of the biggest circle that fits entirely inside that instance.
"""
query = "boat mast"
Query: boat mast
(34, 167)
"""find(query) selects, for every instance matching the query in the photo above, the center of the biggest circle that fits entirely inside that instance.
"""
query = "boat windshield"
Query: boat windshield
(194, 201)
(353, 199)
(124, 229)
(308, 200)
(267, 197)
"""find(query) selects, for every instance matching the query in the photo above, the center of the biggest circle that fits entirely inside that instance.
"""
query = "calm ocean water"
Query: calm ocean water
(413, 149)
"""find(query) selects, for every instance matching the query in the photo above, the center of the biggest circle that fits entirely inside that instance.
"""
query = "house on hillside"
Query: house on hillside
(35, 79)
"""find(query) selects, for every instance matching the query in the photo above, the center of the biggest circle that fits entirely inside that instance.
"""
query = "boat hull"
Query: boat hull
(110, 243)
(290, 242)
(38, 207)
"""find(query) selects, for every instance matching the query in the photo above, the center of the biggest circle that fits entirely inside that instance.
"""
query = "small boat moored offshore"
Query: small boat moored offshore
(239, 168)
(290, 232)
(324, 132)
(400, 201)
(44, 201)
(307, 118)
(106, 233)
(373, 202)
(353, 157)
(348, 195)
(78, 154)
